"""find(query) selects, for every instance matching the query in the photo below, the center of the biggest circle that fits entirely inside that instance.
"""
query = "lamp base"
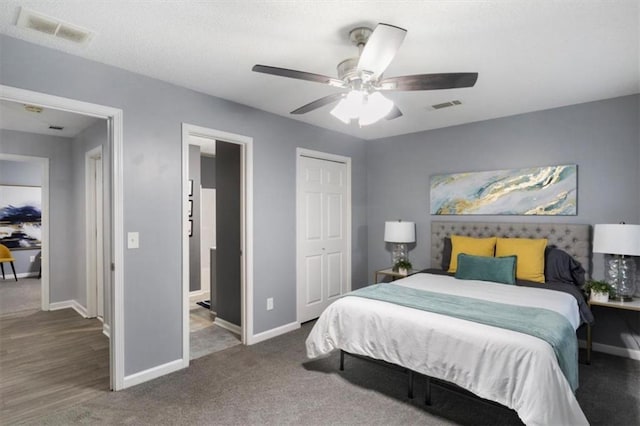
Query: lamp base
(621, 274)
(399, 253)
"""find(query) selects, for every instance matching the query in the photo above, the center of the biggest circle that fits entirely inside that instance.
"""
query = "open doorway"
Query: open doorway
(111, 122)
(216, 241)
(23, 218)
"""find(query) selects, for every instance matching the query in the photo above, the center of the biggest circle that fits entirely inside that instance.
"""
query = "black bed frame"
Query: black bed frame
(429, 381)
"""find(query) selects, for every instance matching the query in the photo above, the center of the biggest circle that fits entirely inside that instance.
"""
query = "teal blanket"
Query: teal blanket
(542, 323)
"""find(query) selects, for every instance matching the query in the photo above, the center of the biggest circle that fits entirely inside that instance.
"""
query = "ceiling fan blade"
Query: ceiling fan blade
(300, 75)
(381, 48)
(319, 103)
(395, 113)
(429, 81)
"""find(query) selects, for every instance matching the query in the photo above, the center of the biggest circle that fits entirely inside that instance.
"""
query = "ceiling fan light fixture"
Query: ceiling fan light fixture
(376, 108)
(349, 107)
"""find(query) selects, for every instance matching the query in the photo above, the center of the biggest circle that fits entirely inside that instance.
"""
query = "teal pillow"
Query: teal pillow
(484, 268)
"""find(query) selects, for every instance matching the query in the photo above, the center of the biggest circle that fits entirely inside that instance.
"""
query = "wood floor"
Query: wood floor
(49, 360)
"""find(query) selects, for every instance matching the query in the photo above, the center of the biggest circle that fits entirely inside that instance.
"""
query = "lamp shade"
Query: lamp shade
(399, 232)
(621, 239)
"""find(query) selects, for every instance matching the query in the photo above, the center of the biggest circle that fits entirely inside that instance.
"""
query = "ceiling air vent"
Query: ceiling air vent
(52, 26)
(446, 104)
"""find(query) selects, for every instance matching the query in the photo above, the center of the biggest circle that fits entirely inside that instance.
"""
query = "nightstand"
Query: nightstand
(389, 272)
(633, 305)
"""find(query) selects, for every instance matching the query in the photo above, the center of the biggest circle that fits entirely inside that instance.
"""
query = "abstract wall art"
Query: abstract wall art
(20, 216)
(548, 190)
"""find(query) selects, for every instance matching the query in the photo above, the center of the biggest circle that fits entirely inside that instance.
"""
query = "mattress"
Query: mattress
(514, 369)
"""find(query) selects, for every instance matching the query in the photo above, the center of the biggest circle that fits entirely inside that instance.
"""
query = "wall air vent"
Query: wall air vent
(446, 104)
(52, 26)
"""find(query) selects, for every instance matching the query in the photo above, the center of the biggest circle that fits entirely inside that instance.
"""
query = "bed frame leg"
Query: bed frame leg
(341, 360)
(410, 391)
(427, 392)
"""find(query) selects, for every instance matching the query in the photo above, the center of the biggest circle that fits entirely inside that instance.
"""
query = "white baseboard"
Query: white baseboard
(274, 332)
(196, 296)
(152, 373)
(613, 350)
(106, 330)
(22, 275)
(228, 326)
(74, 304)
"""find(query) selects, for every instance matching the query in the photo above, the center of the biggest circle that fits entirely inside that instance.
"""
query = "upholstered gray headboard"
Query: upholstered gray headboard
(575, 239)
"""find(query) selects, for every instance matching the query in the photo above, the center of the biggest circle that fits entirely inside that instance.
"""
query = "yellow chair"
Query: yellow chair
(6, 256)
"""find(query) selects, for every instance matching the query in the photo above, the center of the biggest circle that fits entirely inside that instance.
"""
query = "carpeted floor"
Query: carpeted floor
(274, 383)
(21, 295)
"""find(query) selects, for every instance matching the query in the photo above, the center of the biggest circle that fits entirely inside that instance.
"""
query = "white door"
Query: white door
(94, 233)
(323, 234)
(99, 222)
(207, 235)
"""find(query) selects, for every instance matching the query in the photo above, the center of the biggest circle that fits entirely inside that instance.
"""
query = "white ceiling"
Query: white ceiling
(530, 54)
(14, 116)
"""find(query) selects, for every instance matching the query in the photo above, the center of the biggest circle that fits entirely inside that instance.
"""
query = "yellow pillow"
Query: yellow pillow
(530, 254)
(470, 245)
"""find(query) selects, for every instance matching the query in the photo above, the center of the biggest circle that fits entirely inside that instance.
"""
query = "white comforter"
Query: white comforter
(514, 369)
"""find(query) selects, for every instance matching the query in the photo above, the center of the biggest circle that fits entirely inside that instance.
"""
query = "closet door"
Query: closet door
(322, 241)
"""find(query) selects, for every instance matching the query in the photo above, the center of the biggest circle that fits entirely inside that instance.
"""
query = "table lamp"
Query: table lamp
(399, 233)
(620, 241)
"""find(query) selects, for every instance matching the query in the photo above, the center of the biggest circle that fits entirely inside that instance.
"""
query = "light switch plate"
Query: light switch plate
(133, 240)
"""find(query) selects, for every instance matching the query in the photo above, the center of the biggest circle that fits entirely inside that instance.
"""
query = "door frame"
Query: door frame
(93, 221)
(114, 117)
(303, 152)
(246, 225)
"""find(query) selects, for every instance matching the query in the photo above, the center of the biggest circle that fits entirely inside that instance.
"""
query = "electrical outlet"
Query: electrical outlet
(32, 259)
(270, 304)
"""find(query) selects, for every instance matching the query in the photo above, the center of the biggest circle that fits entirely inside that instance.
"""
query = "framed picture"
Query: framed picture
(546, 190)
(20, 216)
(190, 187)
(190, 228)
(190, 208)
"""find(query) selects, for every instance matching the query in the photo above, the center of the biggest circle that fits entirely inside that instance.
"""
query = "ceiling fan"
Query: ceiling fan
(362, 77)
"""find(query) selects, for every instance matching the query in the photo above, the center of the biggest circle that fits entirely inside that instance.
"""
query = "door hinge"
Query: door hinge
(113, 266)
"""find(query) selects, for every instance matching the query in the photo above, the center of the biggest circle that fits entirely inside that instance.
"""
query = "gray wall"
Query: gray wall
(208, 172)
(153, 114)
(228, 233)
(22, 173)
(194, 240)
(62, 285)
(600, 137)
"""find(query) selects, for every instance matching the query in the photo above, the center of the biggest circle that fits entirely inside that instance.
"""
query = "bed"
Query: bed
(532, 378)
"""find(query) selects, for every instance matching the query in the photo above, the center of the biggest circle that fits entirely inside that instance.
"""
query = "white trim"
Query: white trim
(228, 326)
(44, 256)
(613, 350)
(73, 304)
(21, 275)
(106, 330)
(246, 142)
(195, 296)
(274, 332)
(152, 373)
(300, 152)
(115, 117)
